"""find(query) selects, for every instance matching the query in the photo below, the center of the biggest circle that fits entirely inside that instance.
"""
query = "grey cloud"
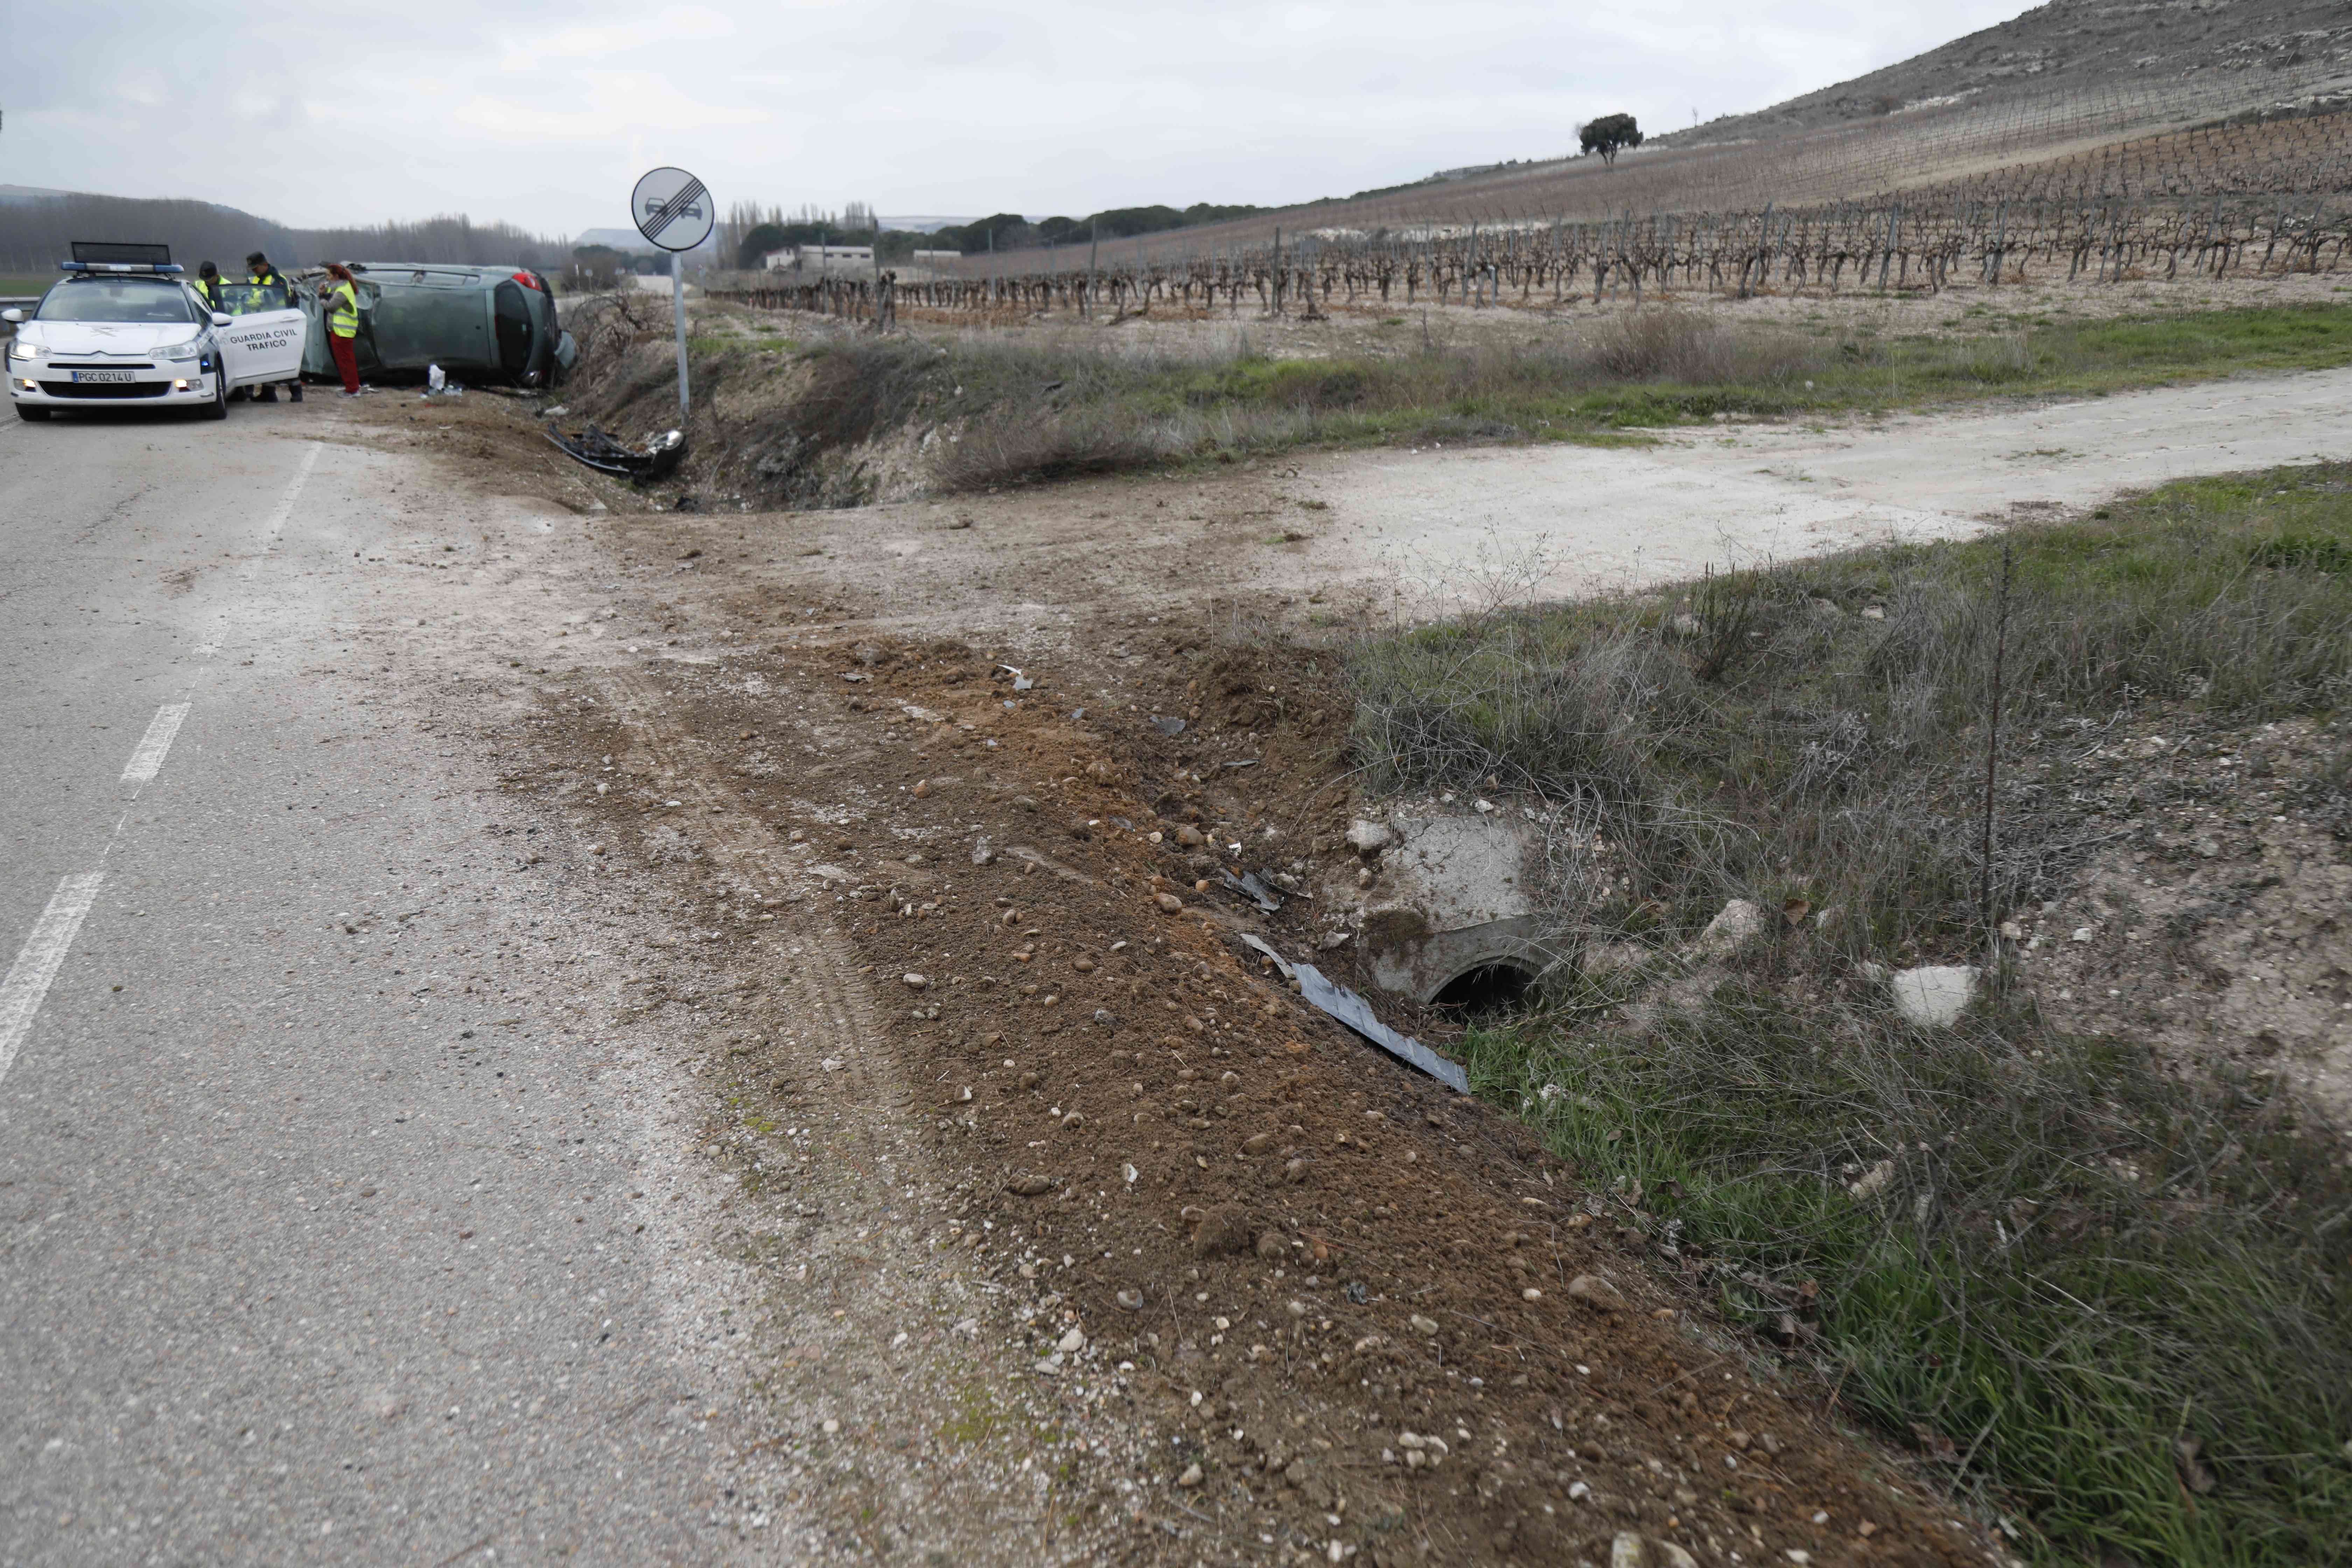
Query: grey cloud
(541, 112)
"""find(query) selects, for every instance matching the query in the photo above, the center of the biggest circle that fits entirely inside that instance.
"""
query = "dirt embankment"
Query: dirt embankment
(1266, 1294)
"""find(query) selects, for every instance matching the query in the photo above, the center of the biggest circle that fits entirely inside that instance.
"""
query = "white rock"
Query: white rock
(1369, 837)
(1739, 923)
(1072, 1342)
(915, 982)
(833, 1064)
(2082, 933)
(1872, 1180)
(1933, 995)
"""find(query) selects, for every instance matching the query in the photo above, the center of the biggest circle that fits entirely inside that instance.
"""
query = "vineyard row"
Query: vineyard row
(1894, 245)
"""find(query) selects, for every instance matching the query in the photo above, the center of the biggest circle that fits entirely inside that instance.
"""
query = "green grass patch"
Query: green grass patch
(2113, 1307)
(2109, 1300)
(1044, 410)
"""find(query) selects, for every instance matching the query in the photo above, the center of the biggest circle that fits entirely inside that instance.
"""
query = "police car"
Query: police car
(123, 330)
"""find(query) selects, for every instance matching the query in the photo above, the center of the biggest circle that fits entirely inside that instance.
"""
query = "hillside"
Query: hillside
(2074, 43)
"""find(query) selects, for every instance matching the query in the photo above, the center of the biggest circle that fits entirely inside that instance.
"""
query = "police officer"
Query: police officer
(259, 273)
(207, 285)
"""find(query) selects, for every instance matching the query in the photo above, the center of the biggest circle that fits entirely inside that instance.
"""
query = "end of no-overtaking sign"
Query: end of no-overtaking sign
(673, 209)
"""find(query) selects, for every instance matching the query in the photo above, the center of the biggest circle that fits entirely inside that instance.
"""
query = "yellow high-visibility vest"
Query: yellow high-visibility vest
(343, 311)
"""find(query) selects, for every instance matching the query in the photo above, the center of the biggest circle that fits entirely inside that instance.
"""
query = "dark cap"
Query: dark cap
(256, 260)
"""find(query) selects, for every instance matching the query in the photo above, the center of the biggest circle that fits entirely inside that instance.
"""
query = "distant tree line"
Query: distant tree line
(35, 234)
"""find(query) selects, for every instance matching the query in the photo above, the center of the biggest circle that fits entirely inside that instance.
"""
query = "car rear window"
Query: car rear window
(146, 300)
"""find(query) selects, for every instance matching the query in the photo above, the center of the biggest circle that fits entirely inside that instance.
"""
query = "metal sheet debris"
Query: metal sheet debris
(657, 459)
(1251, 886)
(1261, 946)
(1357, 1013)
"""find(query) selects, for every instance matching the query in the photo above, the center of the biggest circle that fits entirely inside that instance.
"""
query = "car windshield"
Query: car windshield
(245, 298)
(157, 300)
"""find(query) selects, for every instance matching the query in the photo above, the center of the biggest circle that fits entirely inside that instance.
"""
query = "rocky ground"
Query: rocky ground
(1060, 1200)
(2210, 923)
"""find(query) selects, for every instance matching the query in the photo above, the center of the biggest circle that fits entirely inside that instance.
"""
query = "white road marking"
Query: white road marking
(277, 523)
(44, 954)
(148, 759)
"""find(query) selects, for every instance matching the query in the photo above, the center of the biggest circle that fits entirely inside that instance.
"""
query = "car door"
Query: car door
(263, 343)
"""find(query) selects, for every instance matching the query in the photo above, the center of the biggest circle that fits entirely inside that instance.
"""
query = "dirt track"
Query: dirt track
(1387, 533)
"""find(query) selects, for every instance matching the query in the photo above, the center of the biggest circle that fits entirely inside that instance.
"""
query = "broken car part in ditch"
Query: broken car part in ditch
(1253, 886)
(1356, 1013)
(655, 460)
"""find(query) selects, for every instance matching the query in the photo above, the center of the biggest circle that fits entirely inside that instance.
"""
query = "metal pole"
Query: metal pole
(678, 308)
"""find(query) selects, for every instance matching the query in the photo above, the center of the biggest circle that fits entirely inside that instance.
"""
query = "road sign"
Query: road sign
(672, 209)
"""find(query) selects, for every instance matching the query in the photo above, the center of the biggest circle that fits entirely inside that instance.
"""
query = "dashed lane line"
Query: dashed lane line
(148, 759)
(44, 953)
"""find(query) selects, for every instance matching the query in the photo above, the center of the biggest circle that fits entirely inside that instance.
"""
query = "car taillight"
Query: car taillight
(528, 281)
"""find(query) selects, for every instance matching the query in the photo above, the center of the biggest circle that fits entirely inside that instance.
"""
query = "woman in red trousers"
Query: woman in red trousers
(342, 295)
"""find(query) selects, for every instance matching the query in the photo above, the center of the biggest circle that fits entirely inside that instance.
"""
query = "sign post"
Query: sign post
(673, 209)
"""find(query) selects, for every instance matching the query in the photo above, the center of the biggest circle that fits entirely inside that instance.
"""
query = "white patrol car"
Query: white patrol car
(121, 330)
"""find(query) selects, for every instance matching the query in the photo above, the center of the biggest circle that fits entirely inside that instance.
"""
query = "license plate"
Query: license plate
(103, 375)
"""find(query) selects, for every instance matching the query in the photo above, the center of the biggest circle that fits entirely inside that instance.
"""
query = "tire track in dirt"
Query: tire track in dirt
(865, 1196)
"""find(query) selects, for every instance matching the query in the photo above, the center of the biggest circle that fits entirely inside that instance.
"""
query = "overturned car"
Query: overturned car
(487, 325)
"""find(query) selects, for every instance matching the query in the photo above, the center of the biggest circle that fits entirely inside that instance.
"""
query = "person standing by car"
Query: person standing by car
(207, 285)
(259, 274)
(340, 293)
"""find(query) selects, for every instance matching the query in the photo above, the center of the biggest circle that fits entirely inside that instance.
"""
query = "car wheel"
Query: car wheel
(218, 407)
(27, 411)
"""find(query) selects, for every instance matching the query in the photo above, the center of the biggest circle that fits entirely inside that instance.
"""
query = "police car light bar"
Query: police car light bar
(114, 256)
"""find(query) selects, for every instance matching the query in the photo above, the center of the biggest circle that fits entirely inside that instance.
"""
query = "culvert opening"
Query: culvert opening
(1488, 988)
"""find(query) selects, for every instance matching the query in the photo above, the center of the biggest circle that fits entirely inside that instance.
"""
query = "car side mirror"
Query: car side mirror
(222, 318)
(12, 315)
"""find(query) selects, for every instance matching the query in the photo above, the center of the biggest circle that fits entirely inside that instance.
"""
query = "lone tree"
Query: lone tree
(1610, 135)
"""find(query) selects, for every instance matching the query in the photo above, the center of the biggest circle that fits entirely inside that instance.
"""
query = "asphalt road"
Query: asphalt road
(315, 1245)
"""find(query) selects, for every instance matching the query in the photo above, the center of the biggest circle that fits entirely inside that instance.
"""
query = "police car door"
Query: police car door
(263, 343)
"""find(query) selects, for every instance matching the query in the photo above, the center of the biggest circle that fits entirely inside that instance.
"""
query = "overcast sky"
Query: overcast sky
(544, 114)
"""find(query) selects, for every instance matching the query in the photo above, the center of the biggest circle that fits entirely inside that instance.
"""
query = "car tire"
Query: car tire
(218, 407)
(27, 412)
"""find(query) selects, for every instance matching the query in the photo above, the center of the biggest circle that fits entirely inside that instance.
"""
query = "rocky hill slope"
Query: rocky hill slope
(2086, 43)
